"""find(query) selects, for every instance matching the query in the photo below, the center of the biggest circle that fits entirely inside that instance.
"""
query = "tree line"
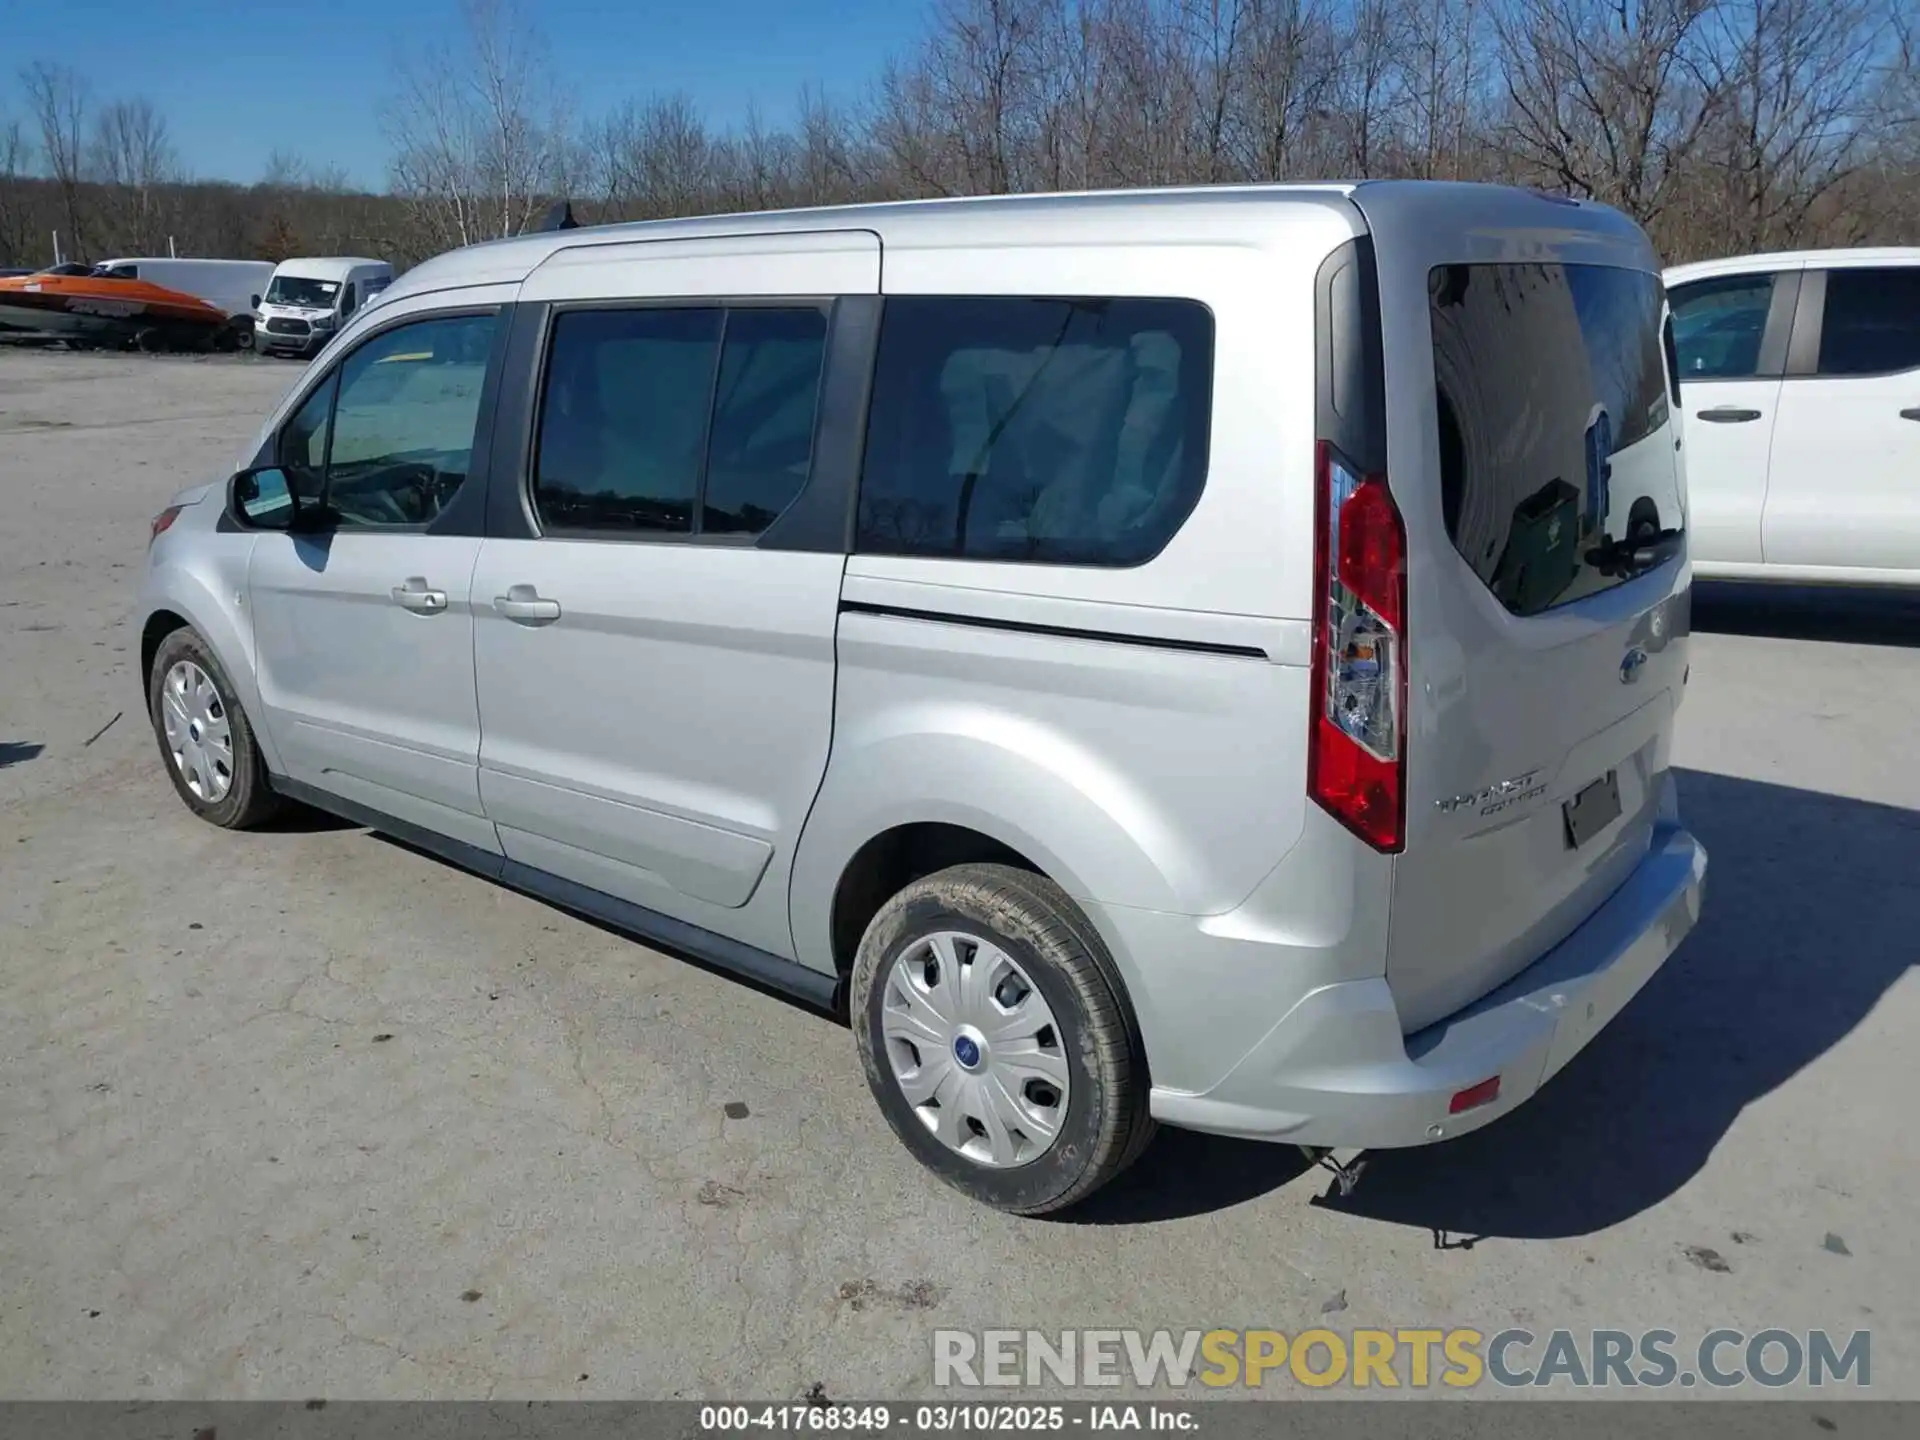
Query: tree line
(1722, 126)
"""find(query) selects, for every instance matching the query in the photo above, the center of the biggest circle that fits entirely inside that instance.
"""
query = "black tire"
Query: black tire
(250, 799)
(1107, 1124)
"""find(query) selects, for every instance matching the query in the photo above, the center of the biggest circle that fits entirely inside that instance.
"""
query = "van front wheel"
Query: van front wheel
(994, 1033)
(205, 737)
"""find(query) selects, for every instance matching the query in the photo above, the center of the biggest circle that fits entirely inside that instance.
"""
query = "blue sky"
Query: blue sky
(238, 79)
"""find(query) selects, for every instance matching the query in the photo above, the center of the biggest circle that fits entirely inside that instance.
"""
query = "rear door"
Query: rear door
(1845, 486)
(1730, 337)
(1530, 432)
(657, 597)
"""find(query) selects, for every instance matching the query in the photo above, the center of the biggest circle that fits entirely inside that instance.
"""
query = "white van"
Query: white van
(307, 301)
(1206, 657)
(233, 285)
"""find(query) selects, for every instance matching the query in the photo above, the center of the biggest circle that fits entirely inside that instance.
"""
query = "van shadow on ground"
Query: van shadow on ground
(1810, 916)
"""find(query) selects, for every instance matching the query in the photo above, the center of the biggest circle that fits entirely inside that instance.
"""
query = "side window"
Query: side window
(394, 427)
(677, 422)
(761, 449)
(350, 301)
(1872, 322)
(623, 422)
(1070, 432)
(302, 449)
(1718, 325)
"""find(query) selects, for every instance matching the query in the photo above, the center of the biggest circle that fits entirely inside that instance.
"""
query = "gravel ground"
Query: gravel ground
(307, 1113)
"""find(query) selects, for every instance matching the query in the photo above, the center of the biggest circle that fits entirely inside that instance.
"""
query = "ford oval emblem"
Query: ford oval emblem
(1631, 665)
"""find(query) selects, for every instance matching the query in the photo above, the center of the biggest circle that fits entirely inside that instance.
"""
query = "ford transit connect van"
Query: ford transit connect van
(1199, 656)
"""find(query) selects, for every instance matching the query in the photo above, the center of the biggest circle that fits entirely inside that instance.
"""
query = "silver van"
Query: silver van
(1200, 656)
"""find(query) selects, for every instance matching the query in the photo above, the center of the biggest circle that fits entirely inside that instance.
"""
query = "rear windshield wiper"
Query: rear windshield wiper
(1634, 554)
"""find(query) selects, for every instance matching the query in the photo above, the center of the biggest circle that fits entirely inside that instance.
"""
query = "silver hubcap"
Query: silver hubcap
(198, 735)
(975, 1049)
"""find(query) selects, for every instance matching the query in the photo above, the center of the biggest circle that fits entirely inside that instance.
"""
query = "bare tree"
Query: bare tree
(16, 239)
(830, 165)
(1285, 98)
(1799, 83)
(132, 159)
(1154, 119)
(57, 97)
(1606, 97)
(1444, 69)
(1369, 81)
(479, 129)
(654, 159)
(284, 170)
(1720, 125)
(981, 87)
(1217, 32)
(756, 167)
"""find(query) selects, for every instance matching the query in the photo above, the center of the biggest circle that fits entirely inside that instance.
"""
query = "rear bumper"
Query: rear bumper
(1337, 1072)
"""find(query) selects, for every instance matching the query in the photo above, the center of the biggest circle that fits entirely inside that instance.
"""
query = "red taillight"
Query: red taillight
(1357, 746)
(161, 521)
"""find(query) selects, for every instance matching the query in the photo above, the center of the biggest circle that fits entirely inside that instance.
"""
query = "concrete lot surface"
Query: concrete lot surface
(306, 1113)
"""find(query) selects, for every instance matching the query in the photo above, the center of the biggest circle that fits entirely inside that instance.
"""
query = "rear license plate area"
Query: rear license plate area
(1593, 809)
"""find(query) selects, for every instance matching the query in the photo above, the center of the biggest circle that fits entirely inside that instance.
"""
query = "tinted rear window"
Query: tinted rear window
(1066, 432)
(1556, 430)
(1872, 324)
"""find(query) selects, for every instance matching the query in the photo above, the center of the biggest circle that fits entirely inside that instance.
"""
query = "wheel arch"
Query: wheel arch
(177, 598)
(902, 793)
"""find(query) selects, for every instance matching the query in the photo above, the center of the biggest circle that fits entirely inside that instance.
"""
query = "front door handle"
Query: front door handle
(1912, 412)
(523, 603)
(415, 596)
(1728, 415)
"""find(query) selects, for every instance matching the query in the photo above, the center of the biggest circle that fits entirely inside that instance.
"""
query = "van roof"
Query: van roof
(324, 267)
(980, 220)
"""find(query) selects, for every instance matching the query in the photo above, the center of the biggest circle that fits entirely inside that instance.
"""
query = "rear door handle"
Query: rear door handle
(415, 596)
(1911, 413)
(523, 603)
(1728, 415)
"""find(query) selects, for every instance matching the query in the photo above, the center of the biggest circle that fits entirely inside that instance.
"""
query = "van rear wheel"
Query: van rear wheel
(996, 1038)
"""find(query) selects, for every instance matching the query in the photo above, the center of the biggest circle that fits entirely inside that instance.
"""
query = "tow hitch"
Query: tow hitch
(1346, 1174)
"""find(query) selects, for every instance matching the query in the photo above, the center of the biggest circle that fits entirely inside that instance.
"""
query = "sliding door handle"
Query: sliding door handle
(1728, 415)
(1912, 412)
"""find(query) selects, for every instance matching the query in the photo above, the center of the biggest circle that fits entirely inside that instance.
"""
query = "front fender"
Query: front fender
(210, 595)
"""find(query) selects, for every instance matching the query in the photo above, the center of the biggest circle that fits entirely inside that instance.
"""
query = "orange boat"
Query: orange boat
(92, 309)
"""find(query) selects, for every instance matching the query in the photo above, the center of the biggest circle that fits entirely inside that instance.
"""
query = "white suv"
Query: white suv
(1801, 380)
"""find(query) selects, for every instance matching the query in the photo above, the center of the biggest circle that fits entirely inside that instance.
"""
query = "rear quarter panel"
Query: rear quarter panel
(1163, 776)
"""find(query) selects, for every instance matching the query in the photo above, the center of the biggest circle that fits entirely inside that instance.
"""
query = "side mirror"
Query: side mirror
(261, 499)
(256, 302)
